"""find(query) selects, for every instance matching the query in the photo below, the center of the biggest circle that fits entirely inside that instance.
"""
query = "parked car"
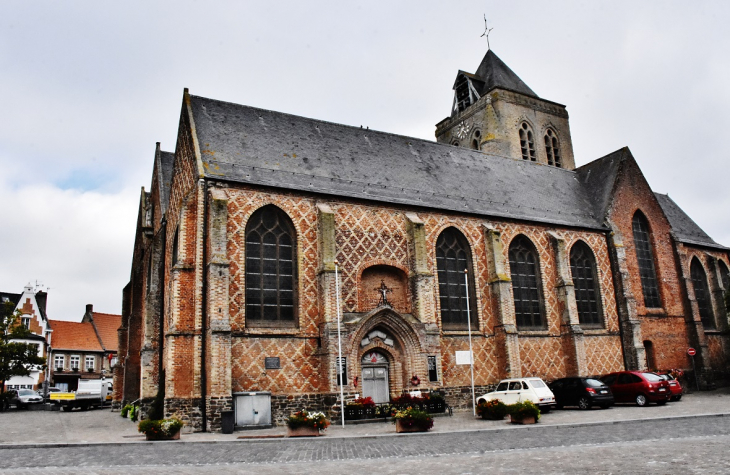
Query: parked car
(51, 390)
(639, 387)
(510, 391)
(24, 397)
(582, 392)
(674, 386)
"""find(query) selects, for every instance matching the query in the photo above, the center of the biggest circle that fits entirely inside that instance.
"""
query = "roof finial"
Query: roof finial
(486, 31)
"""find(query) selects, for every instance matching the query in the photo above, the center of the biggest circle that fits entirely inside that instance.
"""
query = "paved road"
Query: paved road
(685, 445)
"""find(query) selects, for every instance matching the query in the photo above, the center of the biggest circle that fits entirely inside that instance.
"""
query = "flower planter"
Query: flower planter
(523, 420)
(402, 427)
(353, 413)
(303, 431)
(175, 436)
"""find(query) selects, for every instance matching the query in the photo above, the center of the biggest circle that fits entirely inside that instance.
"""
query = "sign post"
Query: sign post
(692, 352)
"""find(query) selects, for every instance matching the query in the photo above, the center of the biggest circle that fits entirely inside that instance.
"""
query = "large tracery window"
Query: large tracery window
(270, 269)
(645, 259)
(702, 294)
(527, 143)
(524, 267)
(585, 280)
(453, 256)
(552, 147)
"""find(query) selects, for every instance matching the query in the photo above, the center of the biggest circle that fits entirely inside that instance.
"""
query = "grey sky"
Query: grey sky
(89, 87)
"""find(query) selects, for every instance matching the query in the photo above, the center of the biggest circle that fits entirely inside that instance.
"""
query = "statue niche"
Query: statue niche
(381, 284)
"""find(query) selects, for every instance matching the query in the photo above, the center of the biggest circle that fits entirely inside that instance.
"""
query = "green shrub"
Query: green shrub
(521, 410)
(160, 427)
(494, 410)
(125, 410)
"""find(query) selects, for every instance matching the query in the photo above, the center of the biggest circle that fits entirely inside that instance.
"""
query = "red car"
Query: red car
(674, 386)
(639, 387)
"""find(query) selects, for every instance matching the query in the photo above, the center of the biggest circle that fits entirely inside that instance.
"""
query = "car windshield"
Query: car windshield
(537, 383)
(594, 383)
(651, 377)
(26, 392)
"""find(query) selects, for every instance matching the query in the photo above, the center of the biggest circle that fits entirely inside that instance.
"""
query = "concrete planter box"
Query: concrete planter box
(303, 432)
(400, 427)
(524, 420)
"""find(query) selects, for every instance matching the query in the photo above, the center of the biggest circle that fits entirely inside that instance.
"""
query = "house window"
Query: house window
(25, 321)
(702, 294)
(90, 360)
(527, 143)
(453, 256)
(585, 280)
(524, 267)
(433, 374)
(645, 259)
(113, 362)
(270, 269)
(75, 360)
(59, 361)
(553, 149)
(341, 369)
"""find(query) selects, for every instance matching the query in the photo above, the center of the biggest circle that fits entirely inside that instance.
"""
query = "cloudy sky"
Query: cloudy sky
(88, 87)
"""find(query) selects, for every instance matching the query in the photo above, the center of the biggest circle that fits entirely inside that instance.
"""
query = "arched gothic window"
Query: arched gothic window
(453, 256)
(702, 294)
(475, 141)
(645, 259)
(270, 269)
(585, 280)
(527, 142)
(524, 267)
(552, 147)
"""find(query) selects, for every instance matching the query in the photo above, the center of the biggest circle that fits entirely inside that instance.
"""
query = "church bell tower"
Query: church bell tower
(495, 112)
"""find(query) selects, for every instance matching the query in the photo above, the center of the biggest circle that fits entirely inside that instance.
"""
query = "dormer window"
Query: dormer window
(552, 148)
(527, 143)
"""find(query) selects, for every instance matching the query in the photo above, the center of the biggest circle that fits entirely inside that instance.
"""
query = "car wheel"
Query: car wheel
(65, 408)
(678, 398)
(584, 403)
(640, 400)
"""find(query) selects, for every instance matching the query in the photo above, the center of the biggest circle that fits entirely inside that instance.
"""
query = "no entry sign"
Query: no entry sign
(691, 351)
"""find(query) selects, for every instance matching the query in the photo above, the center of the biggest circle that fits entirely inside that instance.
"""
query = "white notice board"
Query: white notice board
(464, 357)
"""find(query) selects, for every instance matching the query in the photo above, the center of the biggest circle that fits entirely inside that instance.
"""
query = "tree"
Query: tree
(16, 358)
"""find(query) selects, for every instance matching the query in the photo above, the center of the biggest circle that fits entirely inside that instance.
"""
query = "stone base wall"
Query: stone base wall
(459, 398)
(187, 410)
(282, 406)
(215, 406)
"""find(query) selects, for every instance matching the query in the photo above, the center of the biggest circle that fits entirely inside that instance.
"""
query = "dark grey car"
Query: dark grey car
(582, 392)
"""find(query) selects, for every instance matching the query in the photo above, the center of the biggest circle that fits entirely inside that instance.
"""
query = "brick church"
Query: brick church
(490, 230)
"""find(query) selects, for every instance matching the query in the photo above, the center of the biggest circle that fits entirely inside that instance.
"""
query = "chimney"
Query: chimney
(89, 308)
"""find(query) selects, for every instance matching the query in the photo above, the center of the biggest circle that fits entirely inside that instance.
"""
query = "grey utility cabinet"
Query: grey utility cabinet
(253, 409)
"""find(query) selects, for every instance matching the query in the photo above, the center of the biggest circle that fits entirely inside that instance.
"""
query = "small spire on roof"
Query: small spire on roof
(486, 31)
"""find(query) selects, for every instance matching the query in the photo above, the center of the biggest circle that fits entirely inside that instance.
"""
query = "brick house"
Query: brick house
(32, 305)
(83, 350)
(569, 271)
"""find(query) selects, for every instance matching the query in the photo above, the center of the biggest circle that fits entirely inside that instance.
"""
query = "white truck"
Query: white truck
(90, 393)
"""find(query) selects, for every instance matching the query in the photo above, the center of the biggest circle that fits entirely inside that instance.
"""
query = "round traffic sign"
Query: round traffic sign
(691, 351)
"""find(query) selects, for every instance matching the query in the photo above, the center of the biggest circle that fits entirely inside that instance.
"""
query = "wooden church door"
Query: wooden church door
(375, 377)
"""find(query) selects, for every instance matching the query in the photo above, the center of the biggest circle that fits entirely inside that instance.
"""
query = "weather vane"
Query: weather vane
(486, 31)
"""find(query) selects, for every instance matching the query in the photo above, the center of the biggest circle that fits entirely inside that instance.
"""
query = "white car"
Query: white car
(510, 391)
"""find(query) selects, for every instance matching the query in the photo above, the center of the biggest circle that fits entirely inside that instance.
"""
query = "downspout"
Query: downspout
(204, 316)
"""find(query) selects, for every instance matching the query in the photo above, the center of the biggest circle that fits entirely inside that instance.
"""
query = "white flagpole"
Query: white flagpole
(339, 347)
(471, 353)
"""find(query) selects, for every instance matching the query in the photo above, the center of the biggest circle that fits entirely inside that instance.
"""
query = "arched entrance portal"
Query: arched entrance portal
(375, 376)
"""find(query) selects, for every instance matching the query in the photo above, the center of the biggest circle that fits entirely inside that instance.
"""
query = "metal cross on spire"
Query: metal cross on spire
(486, 31)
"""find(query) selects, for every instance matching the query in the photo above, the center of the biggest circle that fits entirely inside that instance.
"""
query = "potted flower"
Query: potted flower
(524, 412)
(493, 410)
(306, 424)
(412, 420)
(164, 429)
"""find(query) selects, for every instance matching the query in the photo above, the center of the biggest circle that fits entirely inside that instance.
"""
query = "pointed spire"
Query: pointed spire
(495, 73)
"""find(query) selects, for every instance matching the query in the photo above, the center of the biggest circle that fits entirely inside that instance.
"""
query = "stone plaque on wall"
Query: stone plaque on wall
(272, 362)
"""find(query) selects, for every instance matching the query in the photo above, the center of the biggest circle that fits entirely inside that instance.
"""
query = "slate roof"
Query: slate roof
(494, 73)
(261, 147)
(15, 298)
(107, 325)
(686, 230)
(166, 161)
(74, 336)
(598, 178)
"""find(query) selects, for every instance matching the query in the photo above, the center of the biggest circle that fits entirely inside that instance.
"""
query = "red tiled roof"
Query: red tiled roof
(107, 325)
(73, 336)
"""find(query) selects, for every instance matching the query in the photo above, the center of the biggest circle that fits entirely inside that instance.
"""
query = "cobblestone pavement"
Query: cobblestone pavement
(690, 436)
